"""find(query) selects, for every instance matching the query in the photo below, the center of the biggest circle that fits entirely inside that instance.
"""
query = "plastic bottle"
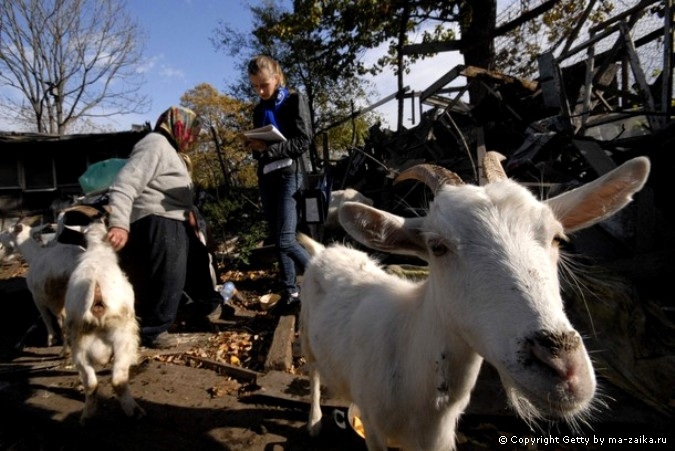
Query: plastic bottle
(227, 292)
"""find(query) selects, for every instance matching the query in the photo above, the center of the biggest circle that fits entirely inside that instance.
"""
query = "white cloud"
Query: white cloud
(148, 65)
(171, 72)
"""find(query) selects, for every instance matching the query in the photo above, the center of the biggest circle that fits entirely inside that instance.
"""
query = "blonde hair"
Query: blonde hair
(265, 62)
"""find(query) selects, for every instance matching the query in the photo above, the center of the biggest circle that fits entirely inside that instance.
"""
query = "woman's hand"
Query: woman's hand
(117, 237)
(256, 145)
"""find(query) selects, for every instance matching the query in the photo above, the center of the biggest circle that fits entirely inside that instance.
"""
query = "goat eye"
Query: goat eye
(438, 249)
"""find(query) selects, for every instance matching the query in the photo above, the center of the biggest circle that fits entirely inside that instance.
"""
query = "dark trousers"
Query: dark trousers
(155, 260)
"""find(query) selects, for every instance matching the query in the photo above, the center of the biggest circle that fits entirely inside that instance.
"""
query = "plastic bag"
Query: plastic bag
(99, 176)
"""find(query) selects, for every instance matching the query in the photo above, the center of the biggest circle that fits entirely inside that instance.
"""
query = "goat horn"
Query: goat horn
(431, 175)
(492, 164)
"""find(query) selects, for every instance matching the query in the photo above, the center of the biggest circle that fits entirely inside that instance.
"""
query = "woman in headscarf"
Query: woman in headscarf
(149, 207)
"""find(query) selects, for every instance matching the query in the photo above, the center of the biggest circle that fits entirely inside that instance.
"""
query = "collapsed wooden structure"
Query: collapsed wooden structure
(37, 170)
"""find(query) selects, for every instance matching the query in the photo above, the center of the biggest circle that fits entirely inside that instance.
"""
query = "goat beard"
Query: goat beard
(535, 417)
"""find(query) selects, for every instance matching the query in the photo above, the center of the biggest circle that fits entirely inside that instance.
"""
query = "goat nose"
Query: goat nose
(559, 351)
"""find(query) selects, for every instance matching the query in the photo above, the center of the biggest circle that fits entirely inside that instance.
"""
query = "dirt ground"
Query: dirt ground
(191, 403)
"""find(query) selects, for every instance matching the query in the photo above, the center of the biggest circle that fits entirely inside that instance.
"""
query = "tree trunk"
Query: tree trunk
(405, 16)
(477, 41)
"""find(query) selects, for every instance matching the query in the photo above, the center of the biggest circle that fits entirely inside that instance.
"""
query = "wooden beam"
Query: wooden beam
(619, 17)
(426, 48)
(667, 73)
(531, 14)
(365, 110)
(280, 355)
(498, 77)
(595, 156)
(441, 82)
(580, 22)
(640, 78)
(232, 370)
(481, 151)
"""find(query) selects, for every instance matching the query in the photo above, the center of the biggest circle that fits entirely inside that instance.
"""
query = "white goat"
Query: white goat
(49, 268)
(408, 353)
(101, 323)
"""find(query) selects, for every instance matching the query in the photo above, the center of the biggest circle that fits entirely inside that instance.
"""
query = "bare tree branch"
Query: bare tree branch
(68, 61)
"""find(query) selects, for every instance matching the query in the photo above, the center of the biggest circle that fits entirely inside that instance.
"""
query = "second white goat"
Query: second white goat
(101, 323)
(49, 268)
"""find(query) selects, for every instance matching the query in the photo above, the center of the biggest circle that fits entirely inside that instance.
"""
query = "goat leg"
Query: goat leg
(18, 347)
(125, 356)
(90, 383)
(120, 384)
(90, 405)
(129, 405)
(374, 439)
(47, 320)
(314, 424)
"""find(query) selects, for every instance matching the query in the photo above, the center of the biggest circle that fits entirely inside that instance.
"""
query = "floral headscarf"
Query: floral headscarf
(181, 124)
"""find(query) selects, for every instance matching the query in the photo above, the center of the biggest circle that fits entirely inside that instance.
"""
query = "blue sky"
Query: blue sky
(178, 51)
(180, 54)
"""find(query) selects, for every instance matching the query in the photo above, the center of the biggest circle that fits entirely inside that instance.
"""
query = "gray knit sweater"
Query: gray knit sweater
(154, 181)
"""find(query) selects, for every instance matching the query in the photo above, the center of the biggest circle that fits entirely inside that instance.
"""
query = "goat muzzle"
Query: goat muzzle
(564, 354)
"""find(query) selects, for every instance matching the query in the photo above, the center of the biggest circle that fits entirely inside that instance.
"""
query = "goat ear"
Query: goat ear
(597, 200)
(382, 231)
(31, 221)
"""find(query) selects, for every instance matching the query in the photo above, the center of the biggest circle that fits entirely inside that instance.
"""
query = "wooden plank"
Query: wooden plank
(667, 70)
(524, 17)
(458, 44)
(619, 17)
(595, 156)
(640, 78)
(549, 80)
(232, 370)
(480, 155)
(580, 23)
(431, 47)
(371, 107)
(280, 355)
(498, 77)
(441, 82)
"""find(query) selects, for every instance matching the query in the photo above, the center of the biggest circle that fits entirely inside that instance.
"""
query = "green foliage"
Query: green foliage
(521, 47)
(220, 159)
(235, 213)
